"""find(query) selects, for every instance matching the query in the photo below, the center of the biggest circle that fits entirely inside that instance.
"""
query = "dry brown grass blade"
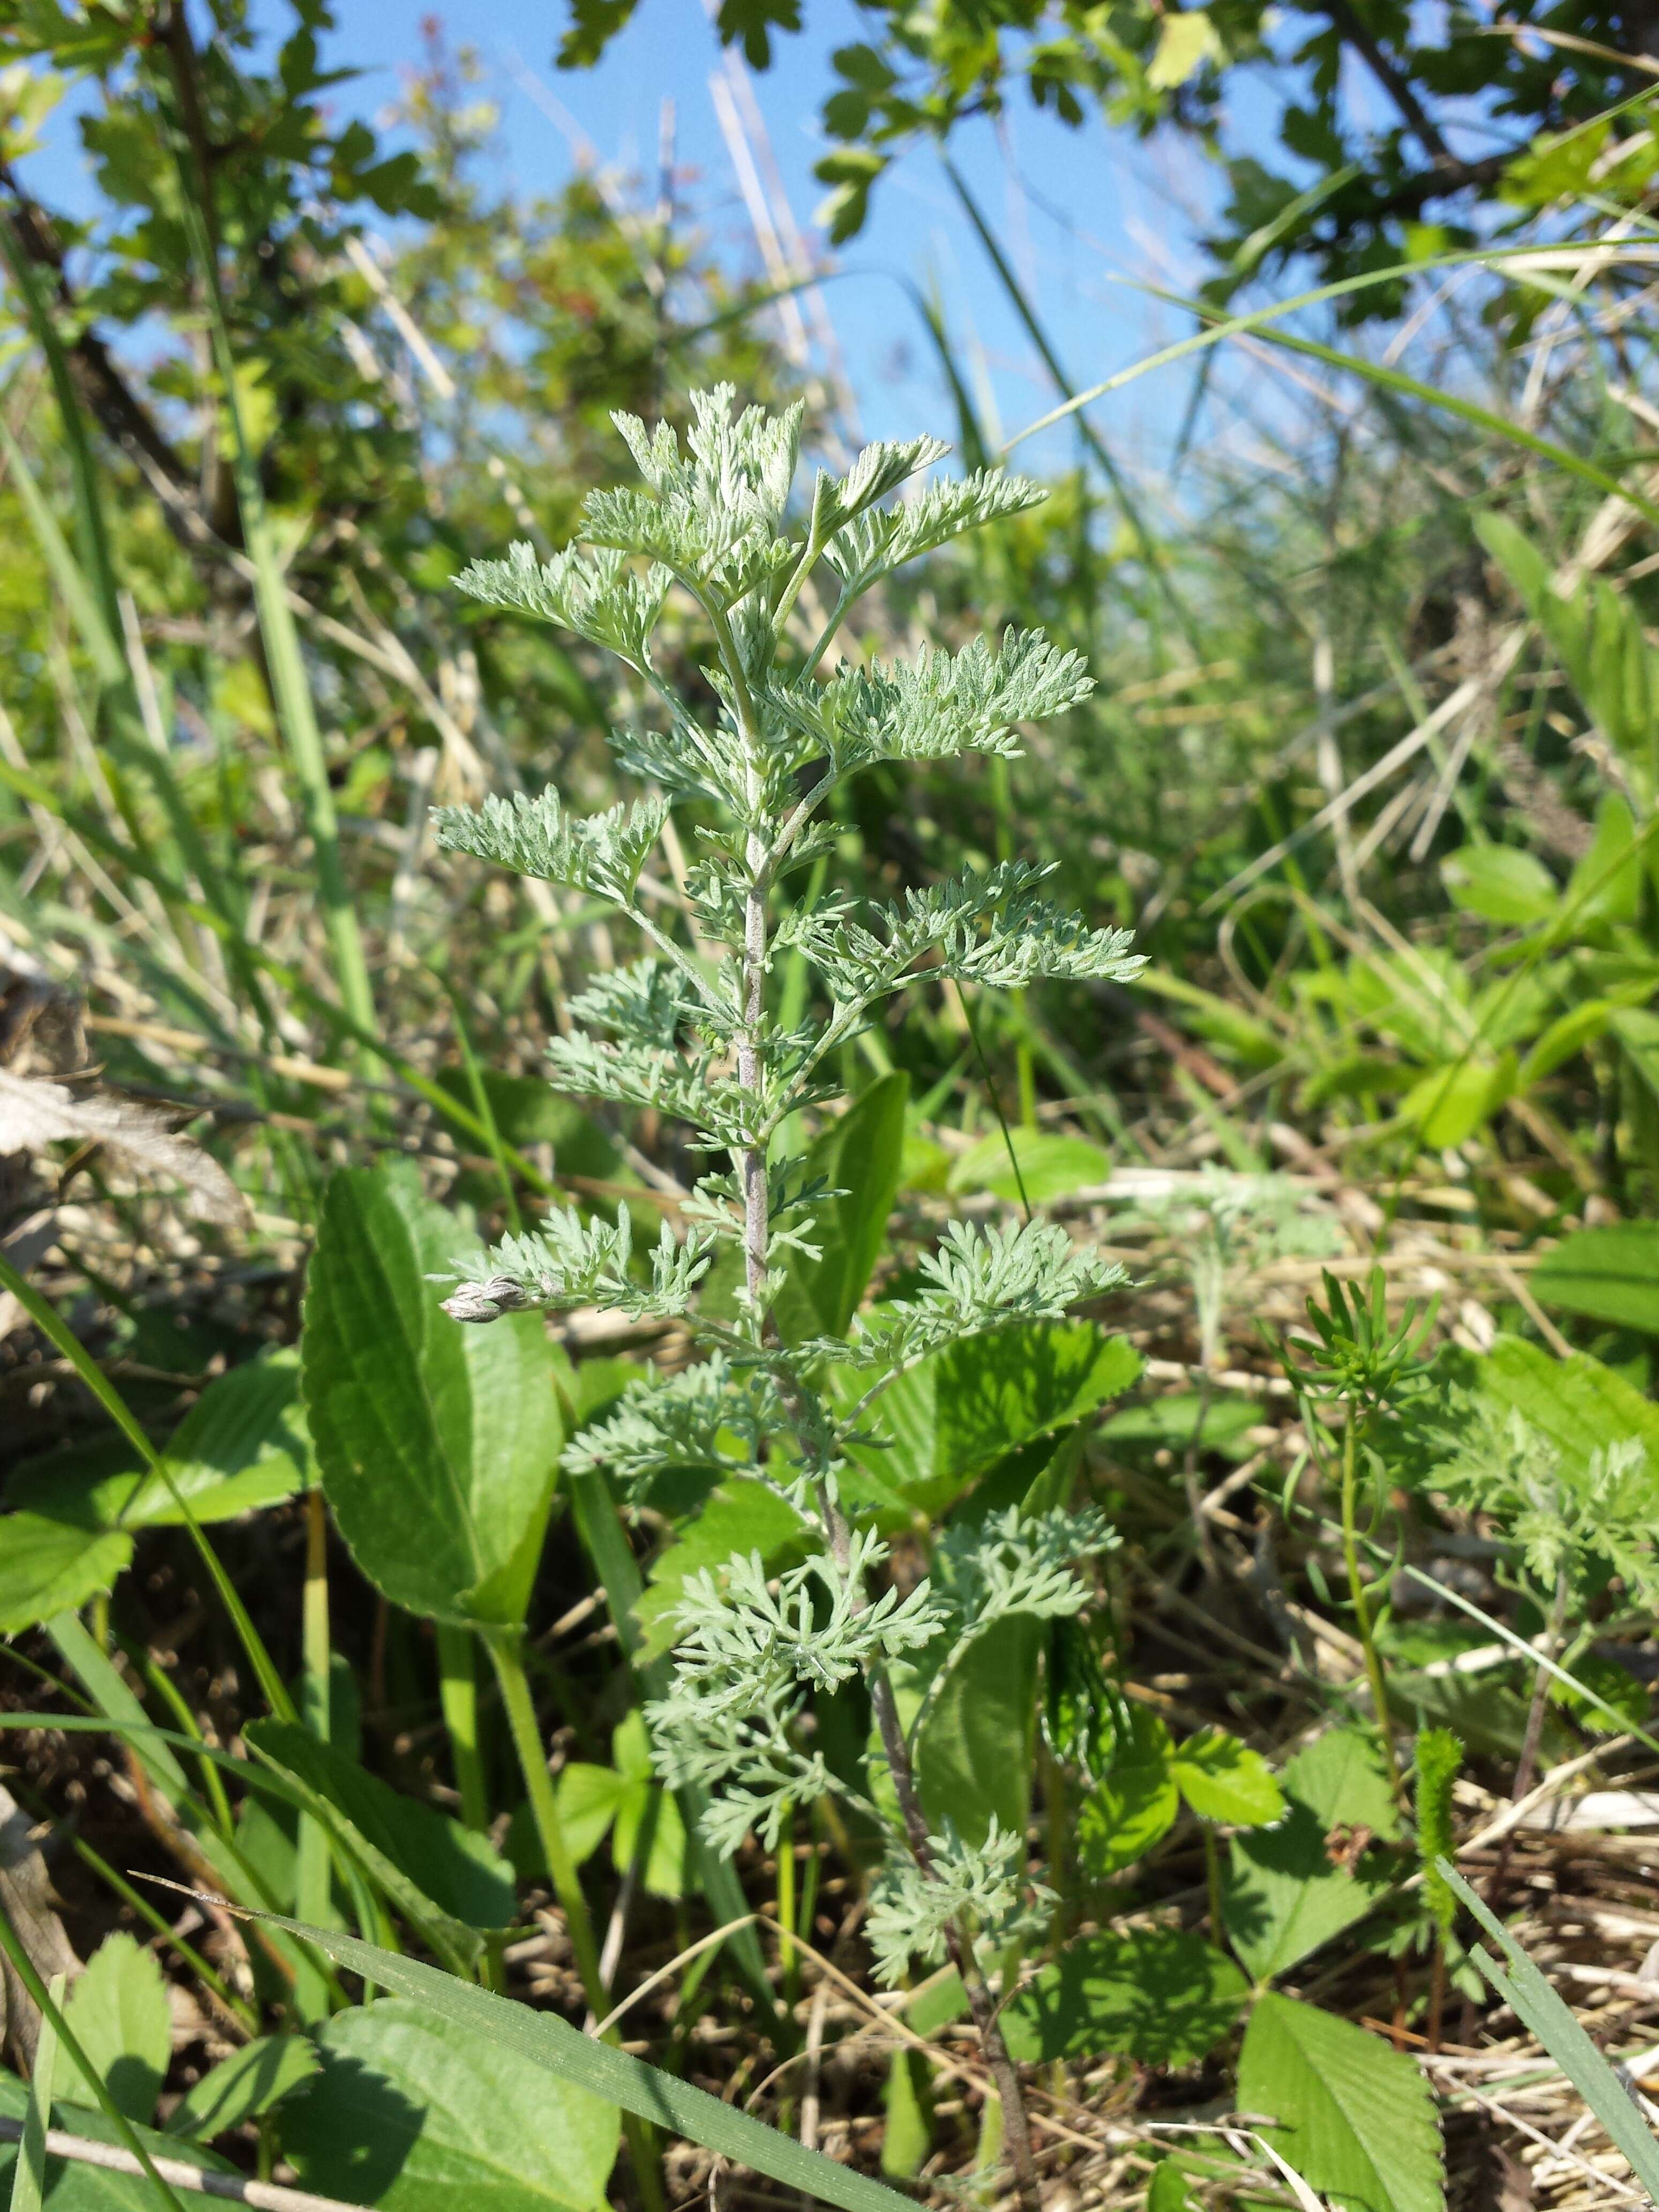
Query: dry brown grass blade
(35, 1114)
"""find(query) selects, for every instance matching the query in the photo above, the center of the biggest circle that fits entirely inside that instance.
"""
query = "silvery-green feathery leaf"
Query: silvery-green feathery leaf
(910, 1911)
(993, 929)
(601, 852)
(878, 469)
(593, 594)
(682, 1421)
(873, 544)
(712, 513)
(940, 704)
(570, 1263)
(979, 1277)
(1010, 1563)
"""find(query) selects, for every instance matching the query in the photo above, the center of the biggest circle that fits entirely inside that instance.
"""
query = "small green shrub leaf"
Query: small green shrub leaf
(438, 1445)
(1355, 2119)
(1222, 1779)
(414, 2113)
(251, 2081)
(1158, 1994)
(1500, 882)
(1578, 1405)
(118, 2011)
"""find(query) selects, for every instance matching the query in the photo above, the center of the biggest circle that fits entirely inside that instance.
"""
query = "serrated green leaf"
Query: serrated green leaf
(118, 2011)
(1355, 2118)
(1135, 1805)
(1158, 1994)
(1282, 1895)
(1222, 1779)
(251, 2081)
(964, 1408)
(49, 1567)
(1611, 1273)
(242, 1445)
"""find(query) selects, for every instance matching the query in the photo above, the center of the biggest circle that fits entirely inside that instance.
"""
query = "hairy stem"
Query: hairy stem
(1356, 1593)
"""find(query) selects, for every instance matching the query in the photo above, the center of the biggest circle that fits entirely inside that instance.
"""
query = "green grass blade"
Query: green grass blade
(1260, 320)
(1035, 331)
(28, 2179)
(47, 1321)
(295, 709)
(24, 1968)
(619, 2079)
(1535, 2002)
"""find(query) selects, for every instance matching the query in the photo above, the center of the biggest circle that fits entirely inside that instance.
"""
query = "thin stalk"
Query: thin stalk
(506, 1649)
(1358, 1595)
(788, 1956)
(206, 1973)
(52, 2014)
(458, 1691)
(28, 2180)
(314, 1863)
(290, 685)
(1527, 1765)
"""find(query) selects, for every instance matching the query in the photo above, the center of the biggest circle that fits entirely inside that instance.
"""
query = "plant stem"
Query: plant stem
(313, 1865)
(1358, 1595)
(505, 1647)
(458, 1690)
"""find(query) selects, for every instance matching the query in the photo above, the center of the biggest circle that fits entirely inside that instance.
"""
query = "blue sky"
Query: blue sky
(1083, 214)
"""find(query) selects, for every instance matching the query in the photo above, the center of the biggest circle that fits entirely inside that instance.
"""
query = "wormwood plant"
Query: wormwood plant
(691, 1029)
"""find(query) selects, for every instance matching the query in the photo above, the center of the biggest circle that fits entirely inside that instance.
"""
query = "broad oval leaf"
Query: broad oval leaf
(973, 1750)
(1159, 1995)
(439, 1444)
(414, 2113)
(564, 2053)
(74, 2187)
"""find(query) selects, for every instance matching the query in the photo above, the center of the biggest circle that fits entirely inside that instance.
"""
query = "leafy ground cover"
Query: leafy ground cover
(562, 1734)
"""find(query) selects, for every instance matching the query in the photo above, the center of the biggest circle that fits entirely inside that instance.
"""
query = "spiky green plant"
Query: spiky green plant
(689, 1029)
